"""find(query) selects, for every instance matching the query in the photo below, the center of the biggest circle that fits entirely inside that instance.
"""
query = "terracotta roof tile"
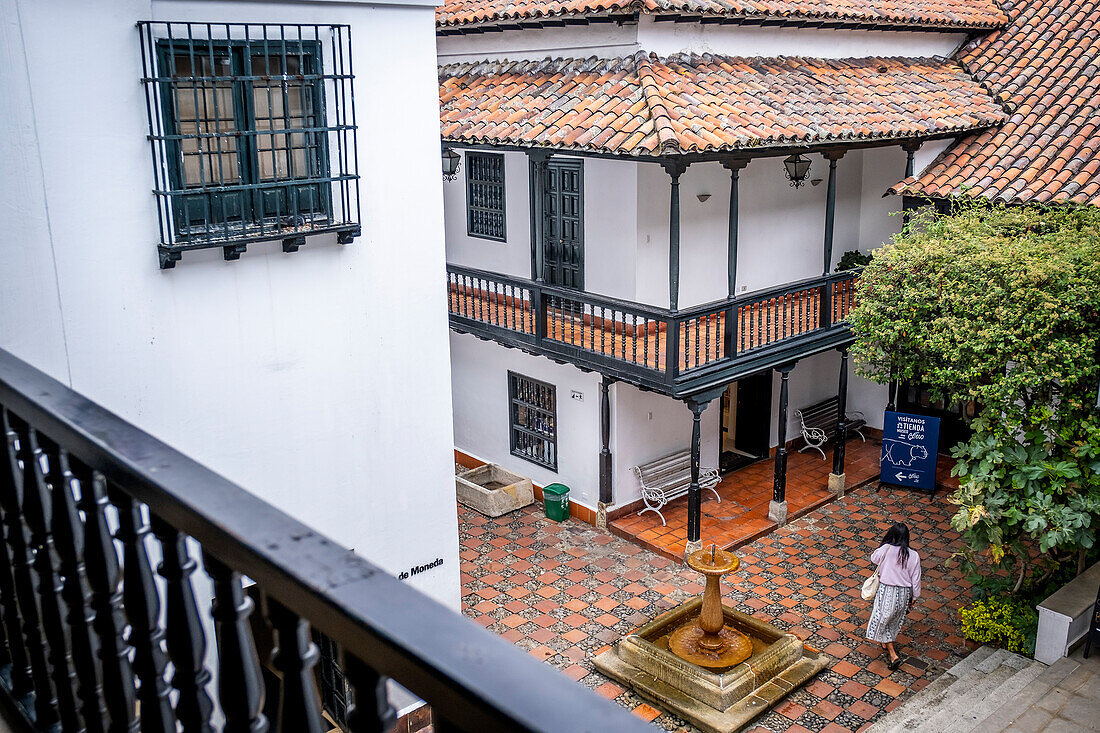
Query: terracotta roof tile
(955, 13)
(1046, 66)
(690, 103)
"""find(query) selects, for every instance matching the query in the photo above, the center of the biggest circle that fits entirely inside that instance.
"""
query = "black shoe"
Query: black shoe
(894, 664)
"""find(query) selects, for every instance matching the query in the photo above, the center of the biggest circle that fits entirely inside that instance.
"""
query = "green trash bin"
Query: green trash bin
(556, 498)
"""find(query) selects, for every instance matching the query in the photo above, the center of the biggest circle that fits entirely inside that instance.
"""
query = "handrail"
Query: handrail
(473, 680)
(606, 301)
(770, 292)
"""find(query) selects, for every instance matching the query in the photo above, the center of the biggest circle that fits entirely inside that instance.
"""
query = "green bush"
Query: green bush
(852, 259)
(1008, 624)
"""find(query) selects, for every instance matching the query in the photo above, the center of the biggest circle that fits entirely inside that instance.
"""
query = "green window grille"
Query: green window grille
(485, 196)
(534, 417)
(253, 134)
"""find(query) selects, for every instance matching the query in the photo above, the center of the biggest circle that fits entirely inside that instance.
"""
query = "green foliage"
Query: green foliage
(1009, 624)
(852, 259)
(1001, 305)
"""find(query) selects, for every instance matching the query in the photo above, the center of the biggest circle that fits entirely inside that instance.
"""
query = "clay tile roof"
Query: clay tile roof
(953, 13)
(1046, 67)
(643, 105)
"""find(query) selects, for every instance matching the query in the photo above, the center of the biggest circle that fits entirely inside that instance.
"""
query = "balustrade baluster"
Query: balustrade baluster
(707, 326)
(788, 309)
(184, 635)
(372, 712)
(769, 329)
(22, 681)
(695, 327)
(295, 657)
(645, 341)
(101, 561)
(142, 603)
(240, 685)
(68, 534)
(26, 582)
(634, 337)
(751, 314)
(37, 506)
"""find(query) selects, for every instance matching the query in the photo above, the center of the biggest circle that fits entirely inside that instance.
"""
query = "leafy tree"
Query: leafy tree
(1001, 305)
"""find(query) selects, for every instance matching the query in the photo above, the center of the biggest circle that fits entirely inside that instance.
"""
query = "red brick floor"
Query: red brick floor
(565, 591)
(742, 515)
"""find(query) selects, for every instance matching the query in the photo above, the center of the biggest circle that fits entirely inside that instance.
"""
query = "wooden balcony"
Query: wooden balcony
(711, 344)
(88, 504)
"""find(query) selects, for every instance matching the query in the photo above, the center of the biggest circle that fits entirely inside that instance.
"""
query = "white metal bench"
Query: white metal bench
(819, 423)
(668, 478)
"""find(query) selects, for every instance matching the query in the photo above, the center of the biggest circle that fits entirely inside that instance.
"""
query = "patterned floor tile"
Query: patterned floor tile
(586, 588)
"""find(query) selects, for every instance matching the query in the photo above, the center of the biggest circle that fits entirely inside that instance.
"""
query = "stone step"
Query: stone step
(1045, 680)
(910, 715)
(969, 695)
(960, 697)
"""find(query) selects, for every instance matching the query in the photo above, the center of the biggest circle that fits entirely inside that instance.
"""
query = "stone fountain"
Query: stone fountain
(714, 666)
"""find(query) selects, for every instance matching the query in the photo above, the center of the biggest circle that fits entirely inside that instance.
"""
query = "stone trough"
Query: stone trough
(493, 490)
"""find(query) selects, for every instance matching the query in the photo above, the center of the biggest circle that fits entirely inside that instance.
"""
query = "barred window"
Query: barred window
(335, 691)
(252, 132)
(485, 196)
(534, 417)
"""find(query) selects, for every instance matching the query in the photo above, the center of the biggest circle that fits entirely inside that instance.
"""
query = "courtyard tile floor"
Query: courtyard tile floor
(565, 591)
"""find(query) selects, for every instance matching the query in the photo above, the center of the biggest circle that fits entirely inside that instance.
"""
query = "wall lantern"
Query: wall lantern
(451, 161)
(797, 168)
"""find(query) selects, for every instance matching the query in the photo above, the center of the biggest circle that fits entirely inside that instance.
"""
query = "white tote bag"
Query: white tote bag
(870, 586)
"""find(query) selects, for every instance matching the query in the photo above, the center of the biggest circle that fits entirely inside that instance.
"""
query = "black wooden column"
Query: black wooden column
(830, 209)
(730, 336)
(779, 493)
(537, 160)
(910, 149)
(841, 420)
(605, 442)
(891, 405)
(695, 492)
(675, 169)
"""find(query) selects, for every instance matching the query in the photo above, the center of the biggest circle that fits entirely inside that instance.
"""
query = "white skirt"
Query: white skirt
(888, 613)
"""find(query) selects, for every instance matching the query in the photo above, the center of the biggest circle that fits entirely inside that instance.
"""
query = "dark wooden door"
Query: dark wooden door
(754, 413)
(563, 224)
(745, 422)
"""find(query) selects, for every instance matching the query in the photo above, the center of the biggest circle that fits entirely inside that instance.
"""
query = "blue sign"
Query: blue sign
(910, 445)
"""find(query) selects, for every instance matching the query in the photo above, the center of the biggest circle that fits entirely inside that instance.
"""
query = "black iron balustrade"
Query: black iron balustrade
(632, 341)
(84, 645)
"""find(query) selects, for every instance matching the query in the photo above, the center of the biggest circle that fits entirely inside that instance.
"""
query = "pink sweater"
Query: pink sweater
(892, 573)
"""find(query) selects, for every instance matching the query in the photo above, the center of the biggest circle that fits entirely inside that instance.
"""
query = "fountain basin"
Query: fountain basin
(721, 700)
(493, 490)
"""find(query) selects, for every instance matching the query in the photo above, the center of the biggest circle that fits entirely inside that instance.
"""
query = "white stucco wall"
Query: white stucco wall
(317, 380)
(664, 38)
(511, 257)
(602, 40)
(481, 418)
(646, 425)
(610, 224)
(780, 234)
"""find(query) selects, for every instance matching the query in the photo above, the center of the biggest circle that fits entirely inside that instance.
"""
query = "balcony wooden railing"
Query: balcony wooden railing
(84, 646)
(632, 340)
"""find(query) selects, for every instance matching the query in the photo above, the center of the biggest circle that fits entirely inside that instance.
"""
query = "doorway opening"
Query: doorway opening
(746, 422)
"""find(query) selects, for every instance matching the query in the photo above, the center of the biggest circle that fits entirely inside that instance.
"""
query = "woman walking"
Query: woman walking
(899, 586)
